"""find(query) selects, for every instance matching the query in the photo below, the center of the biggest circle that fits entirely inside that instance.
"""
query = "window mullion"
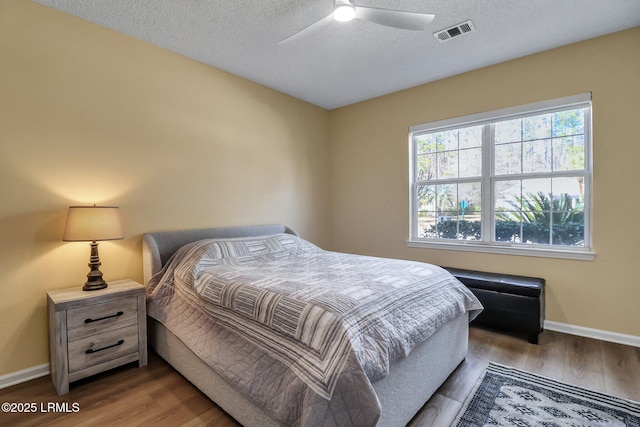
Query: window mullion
(487, 186)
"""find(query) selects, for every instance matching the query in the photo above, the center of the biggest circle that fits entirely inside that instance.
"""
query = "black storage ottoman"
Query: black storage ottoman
(511, 303)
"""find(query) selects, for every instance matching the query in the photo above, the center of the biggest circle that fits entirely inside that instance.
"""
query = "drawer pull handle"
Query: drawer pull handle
(90, 350)
(120, 313)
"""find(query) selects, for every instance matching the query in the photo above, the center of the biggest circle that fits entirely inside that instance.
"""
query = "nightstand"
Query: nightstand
(92, 331)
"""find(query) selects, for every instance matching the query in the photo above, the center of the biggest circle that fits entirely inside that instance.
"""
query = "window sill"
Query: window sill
(581, 255)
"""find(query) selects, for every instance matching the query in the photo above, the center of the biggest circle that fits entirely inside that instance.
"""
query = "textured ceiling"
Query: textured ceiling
(343, 63)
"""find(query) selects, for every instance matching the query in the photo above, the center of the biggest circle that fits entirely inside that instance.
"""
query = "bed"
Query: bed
(264, 383)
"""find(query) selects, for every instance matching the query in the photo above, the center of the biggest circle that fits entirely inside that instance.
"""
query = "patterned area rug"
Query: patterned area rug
(507, 396)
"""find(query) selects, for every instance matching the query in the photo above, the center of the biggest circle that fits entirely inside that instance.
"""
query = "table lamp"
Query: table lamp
(93, 224)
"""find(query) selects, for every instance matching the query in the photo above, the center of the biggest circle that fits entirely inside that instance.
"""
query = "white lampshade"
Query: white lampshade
(93, 223)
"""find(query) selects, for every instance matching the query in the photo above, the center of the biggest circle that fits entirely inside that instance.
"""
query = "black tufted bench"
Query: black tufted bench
(513, 303)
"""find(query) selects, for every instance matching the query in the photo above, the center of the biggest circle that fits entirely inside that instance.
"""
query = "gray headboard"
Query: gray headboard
(158, 247)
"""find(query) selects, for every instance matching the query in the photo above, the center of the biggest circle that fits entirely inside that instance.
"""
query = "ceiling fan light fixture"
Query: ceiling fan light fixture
(345, 11)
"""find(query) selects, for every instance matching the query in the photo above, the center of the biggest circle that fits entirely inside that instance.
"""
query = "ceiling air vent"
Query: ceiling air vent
(455, 31)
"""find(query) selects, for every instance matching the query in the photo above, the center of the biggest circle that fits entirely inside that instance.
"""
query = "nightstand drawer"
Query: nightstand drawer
(103, 347)
(85, 321)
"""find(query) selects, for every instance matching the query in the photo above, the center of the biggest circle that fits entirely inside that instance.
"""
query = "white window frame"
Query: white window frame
(488, 220)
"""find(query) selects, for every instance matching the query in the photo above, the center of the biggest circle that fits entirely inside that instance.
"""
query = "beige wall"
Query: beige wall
(91, 116)
(369, 160)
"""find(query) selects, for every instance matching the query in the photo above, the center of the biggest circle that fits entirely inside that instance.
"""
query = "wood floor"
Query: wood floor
(156, 395)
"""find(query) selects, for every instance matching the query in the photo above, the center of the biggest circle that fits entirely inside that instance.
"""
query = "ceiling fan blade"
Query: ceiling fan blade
(415, 21)
(308, 29)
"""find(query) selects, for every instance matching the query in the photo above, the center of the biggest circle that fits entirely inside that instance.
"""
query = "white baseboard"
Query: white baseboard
(24, 375)
(597, 334)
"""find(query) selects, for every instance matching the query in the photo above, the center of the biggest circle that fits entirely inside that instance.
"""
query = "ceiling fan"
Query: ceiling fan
(346, 10)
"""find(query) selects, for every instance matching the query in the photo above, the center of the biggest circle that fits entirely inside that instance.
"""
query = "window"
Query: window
(510, 181)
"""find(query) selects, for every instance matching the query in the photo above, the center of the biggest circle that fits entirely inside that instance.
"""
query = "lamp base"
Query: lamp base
(94, 278)
(94, 286)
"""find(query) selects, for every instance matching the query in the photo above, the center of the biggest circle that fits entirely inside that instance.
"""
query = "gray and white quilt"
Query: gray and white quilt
(301, 331)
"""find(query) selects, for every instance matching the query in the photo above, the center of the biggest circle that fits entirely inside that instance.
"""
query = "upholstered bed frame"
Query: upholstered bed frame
(402, 393)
